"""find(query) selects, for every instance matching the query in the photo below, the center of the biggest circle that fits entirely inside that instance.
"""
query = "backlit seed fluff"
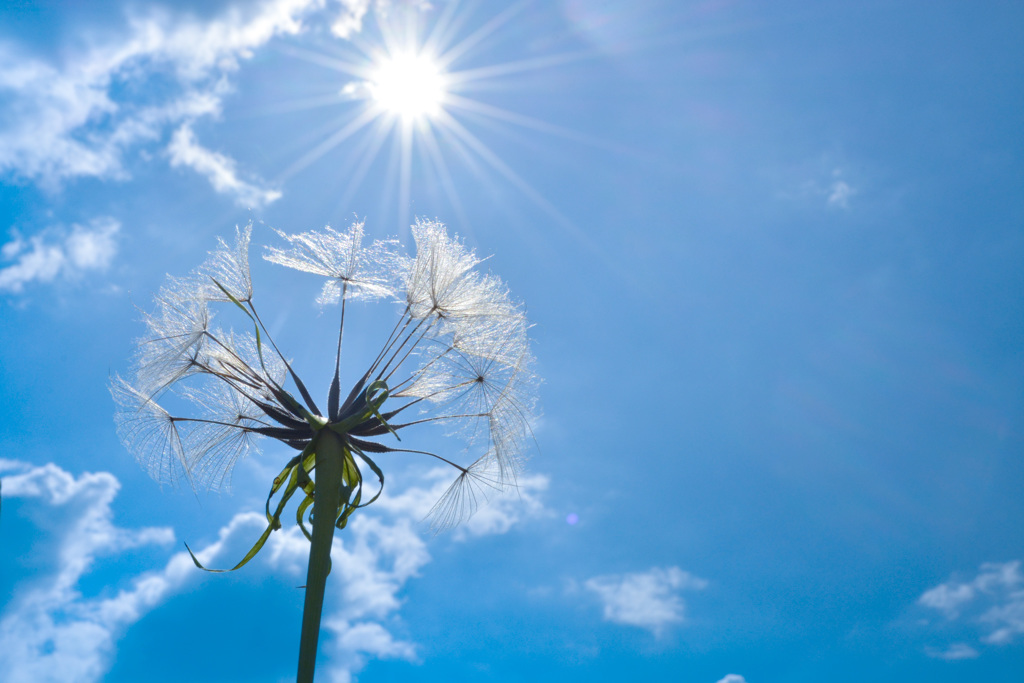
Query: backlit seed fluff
(457, 355)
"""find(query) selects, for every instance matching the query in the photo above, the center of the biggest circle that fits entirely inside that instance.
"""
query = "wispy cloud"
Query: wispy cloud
(991, 603)
(953, 652)
(55, 633)
(733, 678)
(648, 599)
(840, 193)
(217, 168)
(819, 183)
(58, 254)
(73, 118)
(350, 21)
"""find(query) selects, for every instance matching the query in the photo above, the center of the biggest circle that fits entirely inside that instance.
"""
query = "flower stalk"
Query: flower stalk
(332, 457)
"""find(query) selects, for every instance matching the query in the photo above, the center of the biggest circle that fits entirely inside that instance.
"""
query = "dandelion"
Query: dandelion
(458, 355)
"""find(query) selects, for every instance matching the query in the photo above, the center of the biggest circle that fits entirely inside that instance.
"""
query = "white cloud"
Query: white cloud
(374, 559)
(953, 652)
(371, 562)
(649, 599)
(50, 631)
(993, 600)
(71, 119)
(44, 258)
(948, 597)
(351, 20)
(217, 168)
(820, 181)
(377, 555)
(733, 678)
(1006, 619)
(53, 632)
(840, 193)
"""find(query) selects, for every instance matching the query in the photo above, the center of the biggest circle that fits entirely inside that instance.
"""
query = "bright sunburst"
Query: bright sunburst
(408, 85)
(413, 92)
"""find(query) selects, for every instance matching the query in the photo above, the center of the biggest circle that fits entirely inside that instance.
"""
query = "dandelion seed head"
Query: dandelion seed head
(458, 357)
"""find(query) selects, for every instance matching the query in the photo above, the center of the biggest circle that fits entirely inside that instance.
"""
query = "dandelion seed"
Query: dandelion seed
(464, 496)
(362, 273)
(441, 282)
(175, 344)
(226, 271)
(152, 432)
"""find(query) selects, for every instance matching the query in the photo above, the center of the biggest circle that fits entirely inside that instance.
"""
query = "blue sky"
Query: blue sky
(772, 254)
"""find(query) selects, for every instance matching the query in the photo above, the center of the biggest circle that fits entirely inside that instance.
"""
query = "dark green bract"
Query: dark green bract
(364, 416)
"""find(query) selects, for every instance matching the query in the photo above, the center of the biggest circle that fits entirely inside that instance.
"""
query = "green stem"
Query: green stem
(330, 455)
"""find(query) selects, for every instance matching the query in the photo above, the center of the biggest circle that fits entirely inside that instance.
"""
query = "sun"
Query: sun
(408, 85)
(413, 86)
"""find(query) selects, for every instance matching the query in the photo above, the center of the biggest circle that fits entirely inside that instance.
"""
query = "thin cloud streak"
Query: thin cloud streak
(220, 170)
(954, 652)
(840, 193)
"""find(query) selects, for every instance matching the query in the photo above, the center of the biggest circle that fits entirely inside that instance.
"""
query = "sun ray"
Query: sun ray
(292, 105)
(496, 163)
(315, 135)
(441, 168)
(393, 172)
(405, 173)
(445, 28)
(321, 59)
(367, 154)
(507, 116)
(458, 78)
(327, 145)
(463, 46)
(392, 33)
